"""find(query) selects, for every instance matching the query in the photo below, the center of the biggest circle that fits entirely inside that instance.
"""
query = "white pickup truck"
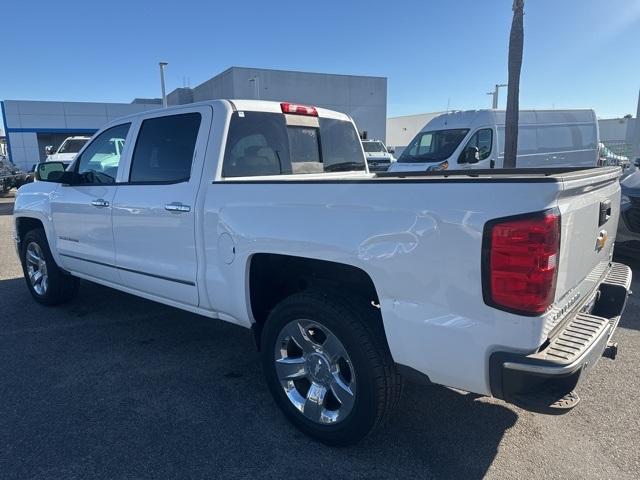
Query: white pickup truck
(264, 214)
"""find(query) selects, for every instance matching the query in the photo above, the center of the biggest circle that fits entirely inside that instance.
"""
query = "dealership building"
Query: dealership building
(30, 126)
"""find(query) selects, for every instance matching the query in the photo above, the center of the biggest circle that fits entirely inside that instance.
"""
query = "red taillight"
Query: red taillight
(299, 109)
(523, 262)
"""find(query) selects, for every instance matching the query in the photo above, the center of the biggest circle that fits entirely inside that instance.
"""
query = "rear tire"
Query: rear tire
(314, 391)
(48, 284)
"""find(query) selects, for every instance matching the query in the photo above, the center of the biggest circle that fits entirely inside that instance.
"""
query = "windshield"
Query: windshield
(72, 146)
(371, 147)
(434, 146)
(262, 143)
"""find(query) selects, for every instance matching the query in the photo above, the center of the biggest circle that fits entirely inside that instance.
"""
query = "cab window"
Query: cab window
(99, 162)
(262, 143)
(433, 146)
(164, 149)
(483, 140)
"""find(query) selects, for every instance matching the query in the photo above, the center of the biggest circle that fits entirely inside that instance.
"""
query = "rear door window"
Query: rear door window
(164, 149)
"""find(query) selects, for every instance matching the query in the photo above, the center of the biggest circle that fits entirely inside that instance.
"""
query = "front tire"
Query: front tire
(48, 284)
(328, 366)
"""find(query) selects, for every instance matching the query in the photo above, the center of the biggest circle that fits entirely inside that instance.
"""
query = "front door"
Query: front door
(482, 140)
(154, 212)
(82, 211)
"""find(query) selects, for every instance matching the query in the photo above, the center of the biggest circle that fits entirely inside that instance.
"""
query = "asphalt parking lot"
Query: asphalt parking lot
(113, 386)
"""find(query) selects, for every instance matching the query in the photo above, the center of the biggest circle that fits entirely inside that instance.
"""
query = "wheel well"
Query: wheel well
(25, 225)
(273, 277)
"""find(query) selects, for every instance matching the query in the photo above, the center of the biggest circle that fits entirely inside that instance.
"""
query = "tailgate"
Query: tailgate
(589, 207)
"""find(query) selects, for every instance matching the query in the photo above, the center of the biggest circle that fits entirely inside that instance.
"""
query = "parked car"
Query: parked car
(10, 175)
(475, 139)
(609, 158)
(628, 239)
(350, 281)
(67, 150)
(378, 157)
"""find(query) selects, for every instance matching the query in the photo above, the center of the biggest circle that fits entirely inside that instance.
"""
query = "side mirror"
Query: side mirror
(49, 150)
(391, 150)
(51, 172)
(637, 162)
(471, 155)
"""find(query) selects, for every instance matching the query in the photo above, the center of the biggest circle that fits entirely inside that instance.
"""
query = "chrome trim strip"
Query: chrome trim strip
(124, 269)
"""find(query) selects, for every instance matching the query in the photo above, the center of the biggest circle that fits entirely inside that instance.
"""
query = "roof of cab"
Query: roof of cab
(274, 107)
(237, 105)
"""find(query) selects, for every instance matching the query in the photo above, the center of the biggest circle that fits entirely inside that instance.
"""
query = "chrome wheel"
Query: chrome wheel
(37, 268)
(315, 371)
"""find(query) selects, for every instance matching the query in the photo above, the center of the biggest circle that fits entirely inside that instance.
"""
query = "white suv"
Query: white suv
(67, 150)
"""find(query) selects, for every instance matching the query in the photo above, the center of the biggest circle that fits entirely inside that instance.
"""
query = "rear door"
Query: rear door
(154, 211)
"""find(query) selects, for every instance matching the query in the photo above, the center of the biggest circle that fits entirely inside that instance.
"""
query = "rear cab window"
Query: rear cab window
(269, 143)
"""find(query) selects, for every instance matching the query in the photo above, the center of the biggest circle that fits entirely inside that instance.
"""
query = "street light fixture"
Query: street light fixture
(495, 93)
(164, 94)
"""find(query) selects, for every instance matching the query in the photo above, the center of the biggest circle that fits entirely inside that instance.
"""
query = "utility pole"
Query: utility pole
(164, 94)
(495, 93)
(635, 138)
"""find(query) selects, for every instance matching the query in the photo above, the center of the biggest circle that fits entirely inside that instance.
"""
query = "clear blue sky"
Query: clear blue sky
(578, 53)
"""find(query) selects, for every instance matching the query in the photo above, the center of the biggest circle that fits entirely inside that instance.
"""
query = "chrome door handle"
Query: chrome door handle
(100, 203)
(177, 207)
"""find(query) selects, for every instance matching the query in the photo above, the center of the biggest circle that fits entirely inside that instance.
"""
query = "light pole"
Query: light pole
(495, 93)
(164, 94)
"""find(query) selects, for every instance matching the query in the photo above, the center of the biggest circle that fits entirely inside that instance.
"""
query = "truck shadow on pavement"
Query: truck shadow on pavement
(633, 302)
(111, 385)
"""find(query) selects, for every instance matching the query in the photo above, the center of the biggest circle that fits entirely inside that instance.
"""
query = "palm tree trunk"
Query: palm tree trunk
(516, 44)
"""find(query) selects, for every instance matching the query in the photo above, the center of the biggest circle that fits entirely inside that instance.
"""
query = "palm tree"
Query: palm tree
(516, 43)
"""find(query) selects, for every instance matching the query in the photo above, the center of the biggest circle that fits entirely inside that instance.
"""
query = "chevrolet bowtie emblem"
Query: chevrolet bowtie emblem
(601, 240)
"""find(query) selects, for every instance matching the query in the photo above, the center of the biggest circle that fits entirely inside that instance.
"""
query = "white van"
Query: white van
(475, 139)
